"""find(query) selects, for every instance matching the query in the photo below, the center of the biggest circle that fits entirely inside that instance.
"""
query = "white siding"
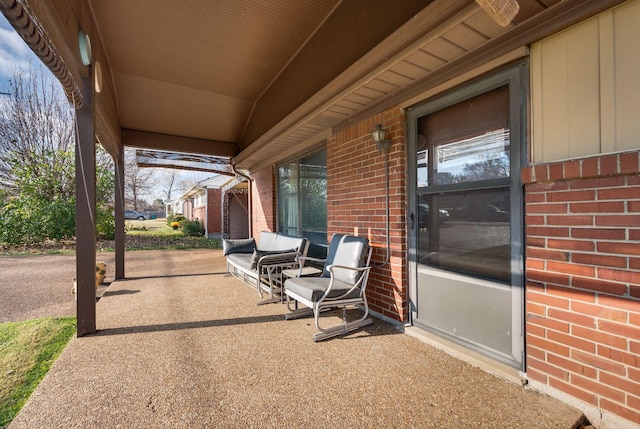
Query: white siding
(586, 88)
(199, 200)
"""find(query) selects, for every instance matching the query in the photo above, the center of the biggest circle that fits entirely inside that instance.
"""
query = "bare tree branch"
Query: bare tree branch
(138, 181)
(35, 119)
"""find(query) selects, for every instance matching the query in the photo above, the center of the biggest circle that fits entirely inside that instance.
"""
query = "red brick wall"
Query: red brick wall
(263, 201)
(198, 213)
(356, 204)
(214, 211)
(583, 280)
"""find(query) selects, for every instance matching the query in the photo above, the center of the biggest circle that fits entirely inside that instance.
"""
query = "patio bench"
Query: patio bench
(261, 265)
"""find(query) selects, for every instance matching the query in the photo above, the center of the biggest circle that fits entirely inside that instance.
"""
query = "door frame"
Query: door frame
(516, 76)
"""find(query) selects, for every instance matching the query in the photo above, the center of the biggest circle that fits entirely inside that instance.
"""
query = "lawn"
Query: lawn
(155, 227)
(139, 235)
(27, 351)
(157, 234)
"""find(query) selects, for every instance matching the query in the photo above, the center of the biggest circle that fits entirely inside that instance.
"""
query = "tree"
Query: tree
(44, 204)
(170, 182)
(138, 181)
(37, 164)
(36, 120)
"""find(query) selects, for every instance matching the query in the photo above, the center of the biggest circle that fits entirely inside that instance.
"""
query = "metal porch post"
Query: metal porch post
(86, 212)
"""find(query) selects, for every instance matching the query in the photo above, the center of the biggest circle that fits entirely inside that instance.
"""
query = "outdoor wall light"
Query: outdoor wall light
(379, 135)
(85, 47)
(502, 11)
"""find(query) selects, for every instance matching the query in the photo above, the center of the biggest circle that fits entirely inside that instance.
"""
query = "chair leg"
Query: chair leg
(341, 329)
(296, 313)
(335, 331)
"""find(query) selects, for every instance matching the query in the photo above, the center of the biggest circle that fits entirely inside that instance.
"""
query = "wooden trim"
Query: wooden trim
(166, 142)
(434, 15)
(24, 21)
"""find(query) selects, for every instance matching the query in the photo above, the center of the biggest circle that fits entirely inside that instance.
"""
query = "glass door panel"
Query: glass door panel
(465, 234)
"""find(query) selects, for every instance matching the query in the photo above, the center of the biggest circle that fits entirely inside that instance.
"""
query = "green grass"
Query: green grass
(152, 227)
(27, 351)
(153, 234)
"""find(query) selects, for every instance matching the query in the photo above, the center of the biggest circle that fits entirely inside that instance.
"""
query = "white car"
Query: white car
(132, 214)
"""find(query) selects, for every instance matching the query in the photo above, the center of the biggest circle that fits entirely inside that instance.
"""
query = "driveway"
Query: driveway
(38, 286)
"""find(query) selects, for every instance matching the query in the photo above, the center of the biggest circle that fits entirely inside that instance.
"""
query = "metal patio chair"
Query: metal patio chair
(342, 284)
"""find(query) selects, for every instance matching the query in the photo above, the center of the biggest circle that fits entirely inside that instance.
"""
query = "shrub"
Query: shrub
(105, 224)
(192, 228)
(42, 204)
(175, 218)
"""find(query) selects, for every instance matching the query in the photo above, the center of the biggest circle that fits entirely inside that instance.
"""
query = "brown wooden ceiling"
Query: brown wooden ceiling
(195, 68)
(272, 77)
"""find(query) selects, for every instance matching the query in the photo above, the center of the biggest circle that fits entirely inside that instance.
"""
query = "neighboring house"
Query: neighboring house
(235, 209)
(220, 204)
(505, 216)
(202, 203)
(174, 207)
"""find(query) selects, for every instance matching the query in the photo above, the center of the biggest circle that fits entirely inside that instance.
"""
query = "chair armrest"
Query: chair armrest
(361, 282)
(304, 259)
(245, 245)
(342, 267)
(263, 258)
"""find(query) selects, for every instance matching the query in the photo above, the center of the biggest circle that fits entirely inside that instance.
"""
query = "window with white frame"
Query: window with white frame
(199, 200)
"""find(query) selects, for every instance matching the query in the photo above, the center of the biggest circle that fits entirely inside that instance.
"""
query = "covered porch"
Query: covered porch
(277, 89)
(261, 85)
(180, 343)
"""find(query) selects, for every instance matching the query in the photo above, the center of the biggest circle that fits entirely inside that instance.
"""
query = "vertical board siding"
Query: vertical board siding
(585, 89)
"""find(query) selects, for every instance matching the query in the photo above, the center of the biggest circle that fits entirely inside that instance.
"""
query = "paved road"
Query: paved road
(40, 286)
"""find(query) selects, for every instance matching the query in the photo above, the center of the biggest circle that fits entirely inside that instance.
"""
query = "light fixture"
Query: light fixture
(84, 43)
(379, 135)
(502, 11)
(97, 77)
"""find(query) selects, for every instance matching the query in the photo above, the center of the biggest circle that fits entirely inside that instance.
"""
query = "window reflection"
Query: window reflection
(302, 200)
(466, 228)
(470, 233)
(481, 157)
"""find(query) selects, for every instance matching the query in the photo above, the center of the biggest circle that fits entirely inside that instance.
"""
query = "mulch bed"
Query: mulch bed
(132, 242)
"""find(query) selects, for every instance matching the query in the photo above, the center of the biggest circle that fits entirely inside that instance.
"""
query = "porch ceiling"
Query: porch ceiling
(198, 69)
(195, 69)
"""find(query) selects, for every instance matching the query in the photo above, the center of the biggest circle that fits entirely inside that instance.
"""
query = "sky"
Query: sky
(15, 55)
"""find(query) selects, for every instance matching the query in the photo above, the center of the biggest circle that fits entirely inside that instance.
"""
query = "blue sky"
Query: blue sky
(14, 54)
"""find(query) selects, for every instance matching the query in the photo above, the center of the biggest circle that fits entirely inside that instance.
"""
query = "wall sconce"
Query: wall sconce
(502, 11)
(379, 135)
(85, 47)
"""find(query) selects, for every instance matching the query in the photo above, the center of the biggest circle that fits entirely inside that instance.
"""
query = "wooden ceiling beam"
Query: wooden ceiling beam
(171, 143)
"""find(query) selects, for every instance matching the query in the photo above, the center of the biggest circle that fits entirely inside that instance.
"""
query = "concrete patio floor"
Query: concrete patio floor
(181, 344)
